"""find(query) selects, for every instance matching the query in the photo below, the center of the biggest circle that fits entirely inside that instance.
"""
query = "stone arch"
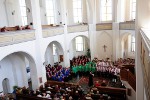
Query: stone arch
(17, 74)
(72, 51)
(50, 58)
(125, 44)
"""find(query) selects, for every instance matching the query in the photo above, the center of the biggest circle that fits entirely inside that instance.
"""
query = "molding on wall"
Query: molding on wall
(127, 25)
(77, 28)
(16, 37)
(103, 26)
(52, 32)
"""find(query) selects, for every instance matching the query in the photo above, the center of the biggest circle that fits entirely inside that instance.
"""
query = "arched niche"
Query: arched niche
(104, 46)
(6, 86)
(54, 53)
(126, 51)
(14, 68)
(72, 47)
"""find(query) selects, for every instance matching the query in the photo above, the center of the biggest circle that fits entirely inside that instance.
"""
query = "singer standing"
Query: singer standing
(90, 79)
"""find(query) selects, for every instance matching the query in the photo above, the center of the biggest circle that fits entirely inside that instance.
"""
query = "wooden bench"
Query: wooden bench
(28, 97)
(61, 84)
(116, 92)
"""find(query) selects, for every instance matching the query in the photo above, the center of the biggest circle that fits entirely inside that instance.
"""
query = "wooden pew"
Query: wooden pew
(115, 92)
(62, 84)
(28, 97)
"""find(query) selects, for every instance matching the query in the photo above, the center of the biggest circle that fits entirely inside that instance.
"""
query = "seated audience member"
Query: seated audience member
(27, 27)
(39, 95)
(97, 84)
(55, 97)
(103, 83)
(70, 98)
(18, 27)
(56, 88)
(22, 28)
(4, 29)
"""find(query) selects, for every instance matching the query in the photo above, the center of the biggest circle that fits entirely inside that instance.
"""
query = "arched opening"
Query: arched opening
(54, 54)
(20, 69)
(6, 86)
(128, 46)
(78, 46)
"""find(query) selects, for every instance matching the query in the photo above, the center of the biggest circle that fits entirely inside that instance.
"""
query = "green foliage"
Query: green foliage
(15, 87)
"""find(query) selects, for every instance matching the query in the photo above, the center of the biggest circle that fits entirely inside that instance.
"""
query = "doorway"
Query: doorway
(6, 87)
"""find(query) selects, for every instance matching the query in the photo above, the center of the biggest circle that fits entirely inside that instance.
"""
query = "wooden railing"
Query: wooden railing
(119, 93)
(77, 28)
(103, 26)
(13, 37)
(130, 25)
(28, 97)
(49, 31)
(126, 75)
(145, 58)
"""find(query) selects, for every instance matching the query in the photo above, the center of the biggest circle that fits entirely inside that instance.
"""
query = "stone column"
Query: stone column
(116, 40)
(64, 18)
(40, 68)
(91, 10)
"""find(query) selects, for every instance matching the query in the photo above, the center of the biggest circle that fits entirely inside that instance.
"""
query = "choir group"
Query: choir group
(107, 69)
(57, 73)
(82, 65)
(101, 67)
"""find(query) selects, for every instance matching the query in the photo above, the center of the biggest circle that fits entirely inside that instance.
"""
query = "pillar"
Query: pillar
(142, 21)
(40, 68)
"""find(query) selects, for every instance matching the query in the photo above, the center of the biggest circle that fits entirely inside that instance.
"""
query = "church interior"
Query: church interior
(74, 50)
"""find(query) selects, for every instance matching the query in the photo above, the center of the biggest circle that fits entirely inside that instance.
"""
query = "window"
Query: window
(23, 12)
(77, 11)
(50, 11)
(54, 49)
(132, 43)
(133, 9)
(106, 10)
(79, 43)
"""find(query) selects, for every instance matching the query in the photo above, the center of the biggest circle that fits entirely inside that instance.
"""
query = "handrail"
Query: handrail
(146, 41)
(126, 75)
(132, 80)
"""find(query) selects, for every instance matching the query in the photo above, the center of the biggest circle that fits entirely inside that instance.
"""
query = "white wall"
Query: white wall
(5, 73)
(104, 38)
(3, 18)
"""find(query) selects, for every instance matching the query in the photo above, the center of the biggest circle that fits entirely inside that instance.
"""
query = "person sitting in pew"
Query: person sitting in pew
(4, 29)
(103, 83)
(27, 27)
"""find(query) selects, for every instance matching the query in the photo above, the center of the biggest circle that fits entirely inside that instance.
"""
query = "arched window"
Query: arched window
(79, 43)
(132, 43)
(77, 11)
(23, 9)
(106, 10)
(133, 9)
(54, 49)
(50, 11)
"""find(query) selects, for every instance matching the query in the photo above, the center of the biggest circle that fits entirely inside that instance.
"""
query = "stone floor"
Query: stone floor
(83, 82)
